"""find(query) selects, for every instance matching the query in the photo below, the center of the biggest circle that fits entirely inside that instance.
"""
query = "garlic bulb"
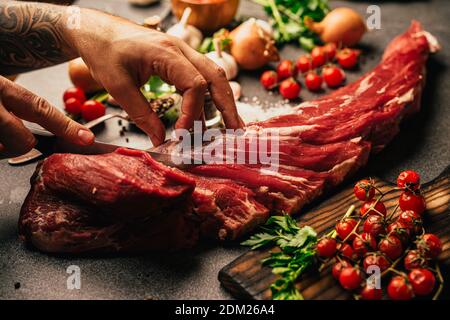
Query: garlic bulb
(189, 34)
(224, 60)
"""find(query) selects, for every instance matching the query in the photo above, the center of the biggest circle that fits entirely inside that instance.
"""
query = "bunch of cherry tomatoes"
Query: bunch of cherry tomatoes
(76, 104)
(308, 65)
(374, 237)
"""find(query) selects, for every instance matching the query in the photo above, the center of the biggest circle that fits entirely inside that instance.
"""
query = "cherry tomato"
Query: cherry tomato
(346, 251)
(338, 266)
(408, 180)
(374, 225)
(430, 245)
(269, 79)
(414, 259)
(376, 259)
(326, 247)
(303, 63)
(422, 281)
(371, 293)
(350, 278)
(333, 76)
(73, 106)
(318, 58)
(347, 58)
(373, 207)
(400, 231)
(313, 81)
(391, 246)
(330, 51)
(411, 220)
(364, 190)
(76, 93)
(92, 109)
(364, 243)
(345, 227)
(400, 289)
(286, 69)
(412, 201)
(290, 89)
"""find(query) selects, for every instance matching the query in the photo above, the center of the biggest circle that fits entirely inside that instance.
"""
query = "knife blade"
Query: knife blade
(48, 143)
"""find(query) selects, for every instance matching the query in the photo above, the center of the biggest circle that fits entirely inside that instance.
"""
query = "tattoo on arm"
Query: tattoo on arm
(30, 37)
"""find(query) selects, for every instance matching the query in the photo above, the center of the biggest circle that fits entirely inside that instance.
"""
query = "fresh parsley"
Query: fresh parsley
(298, 252)
(287, 16)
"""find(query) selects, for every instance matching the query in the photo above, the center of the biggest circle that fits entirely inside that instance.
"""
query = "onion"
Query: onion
(343, 26)
(252, 46)
(81, 76)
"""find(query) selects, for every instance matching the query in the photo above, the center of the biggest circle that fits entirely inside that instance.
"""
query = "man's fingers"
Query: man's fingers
(176, 69)
(15, 139)
(128, 95)
(218, 86)
(30, 107)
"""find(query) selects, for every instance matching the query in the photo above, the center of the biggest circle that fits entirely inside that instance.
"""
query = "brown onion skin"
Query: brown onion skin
(252, 47)
(81, 76)
(342, 26)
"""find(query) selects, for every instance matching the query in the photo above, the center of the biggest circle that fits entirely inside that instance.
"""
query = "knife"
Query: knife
(48, 143)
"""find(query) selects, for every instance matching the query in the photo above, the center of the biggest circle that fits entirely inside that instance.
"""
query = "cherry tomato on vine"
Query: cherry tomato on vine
(399, 230)
(338, 266)
(347, 58)
(269, 79)
(364, 243)
(72, 106)
(92, 109)
(346, 251)
(374, 225)
(313, 81)
(414, 259)
(391, 246)
(333, 76)
(422, 281)
(286, 69)
(371, 293)
(326, 247)
(350, 278)
(411, 220)
(290, 89)
(345, 227)
(376, 259)
(76, 93)
(303, 63)
(412, 201)
(364, 190)
(373, 207)
(318, 58)
(400, 289)
(330, 51)
(408, 179)
(430, 245)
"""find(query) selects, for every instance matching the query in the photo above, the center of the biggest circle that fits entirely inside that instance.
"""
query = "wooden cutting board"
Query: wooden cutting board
(245, 278)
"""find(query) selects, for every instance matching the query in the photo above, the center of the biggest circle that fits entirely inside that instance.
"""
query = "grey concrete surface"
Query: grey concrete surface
(423, 145)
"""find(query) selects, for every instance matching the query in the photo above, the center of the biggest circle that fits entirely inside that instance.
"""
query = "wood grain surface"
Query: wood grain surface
(245, 278)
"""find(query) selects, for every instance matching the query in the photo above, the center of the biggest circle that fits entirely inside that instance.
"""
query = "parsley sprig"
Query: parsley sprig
(298, 252)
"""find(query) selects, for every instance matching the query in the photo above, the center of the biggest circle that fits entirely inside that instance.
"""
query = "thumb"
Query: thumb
(28, 106)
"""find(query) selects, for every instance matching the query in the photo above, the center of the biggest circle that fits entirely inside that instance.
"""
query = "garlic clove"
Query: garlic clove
(226, 62)
(236, 88)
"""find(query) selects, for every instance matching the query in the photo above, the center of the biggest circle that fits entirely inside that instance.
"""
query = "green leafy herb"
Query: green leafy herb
(207, 44)
(287, 19)
(298, 251)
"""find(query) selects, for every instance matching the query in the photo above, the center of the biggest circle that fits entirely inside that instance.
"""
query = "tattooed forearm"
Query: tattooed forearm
(30, 36)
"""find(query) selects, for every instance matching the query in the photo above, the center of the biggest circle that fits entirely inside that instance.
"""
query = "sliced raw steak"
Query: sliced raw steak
(68, 210)
(125, 200)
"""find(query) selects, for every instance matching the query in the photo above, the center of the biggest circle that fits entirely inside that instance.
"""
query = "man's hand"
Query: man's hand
(122, 56)
(17, 102)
